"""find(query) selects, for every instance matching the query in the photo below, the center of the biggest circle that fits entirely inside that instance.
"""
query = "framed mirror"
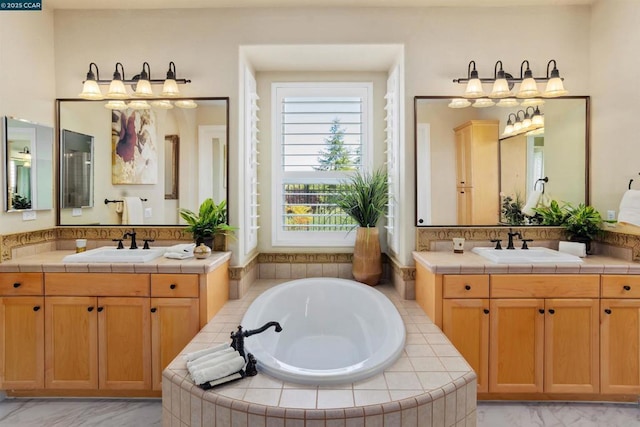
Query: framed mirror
(512, 165)
(28, 154)
(154, 155)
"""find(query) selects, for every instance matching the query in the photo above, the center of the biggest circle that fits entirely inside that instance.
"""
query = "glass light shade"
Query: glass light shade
(508, 130)
(528, 89)
(139, 105)
(532, 102)
(170, 88)
(507, 102)
(474, 89)
(91, 90)
(116, 105)
(500, 89)
(526, 123)
(459, 103)
(483, 102)
(117, 90)
(186, 103)
(163, 104)
(143, 89)
(517, 126)
(554, 88)
(537, 120)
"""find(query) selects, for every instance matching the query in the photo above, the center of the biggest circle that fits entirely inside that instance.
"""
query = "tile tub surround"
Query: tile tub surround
(430, 385)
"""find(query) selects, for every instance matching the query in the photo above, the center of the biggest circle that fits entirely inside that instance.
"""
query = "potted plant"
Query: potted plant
(364, 198)
(511, 210)
(554, 214)
(209, 222)
(583, 224)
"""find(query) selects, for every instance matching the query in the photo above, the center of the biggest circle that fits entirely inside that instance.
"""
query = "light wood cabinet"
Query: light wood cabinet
(477, 169)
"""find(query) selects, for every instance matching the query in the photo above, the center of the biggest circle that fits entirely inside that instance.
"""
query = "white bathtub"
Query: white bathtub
(334, 331)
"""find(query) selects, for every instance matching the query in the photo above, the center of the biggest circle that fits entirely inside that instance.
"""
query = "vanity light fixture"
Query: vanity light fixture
(508, 129)
(186, 103)
(528, 123)
(532, 102)
(162, 104)
(483, 103)
(142, 83)
(503, 82)
(139, 104)
(116, 105)
(508, 103)
(459, 103)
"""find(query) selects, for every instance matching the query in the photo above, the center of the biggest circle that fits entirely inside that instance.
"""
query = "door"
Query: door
(620, 346)
(517, 345)
(572, 346)
(124, 337)
(71, 343)
(21, 343)
(466, 323)
(174, 322)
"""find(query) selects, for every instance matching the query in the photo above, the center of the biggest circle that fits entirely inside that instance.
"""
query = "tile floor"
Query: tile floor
(148, 412)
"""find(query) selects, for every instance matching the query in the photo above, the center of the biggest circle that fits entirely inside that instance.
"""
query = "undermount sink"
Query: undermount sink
(108, 254)
(526, 256)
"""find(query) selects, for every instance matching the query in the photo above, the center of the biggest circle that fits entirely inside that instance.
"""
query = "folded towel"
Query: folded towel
(132, 211)
(182, 251)
(197, 354)
(232, 377)
(532, 202)
(630, 208)
(212, 359)
(221, 370)
(177, 255)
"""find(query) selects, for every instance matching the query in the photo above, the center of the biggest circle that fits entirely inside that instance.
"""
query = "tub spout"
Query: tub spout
(237, 338)
(263, 328)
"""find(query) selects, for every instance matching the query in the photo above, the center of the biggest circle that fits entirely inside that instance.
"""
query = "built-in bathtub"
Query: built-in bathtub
(334, 331)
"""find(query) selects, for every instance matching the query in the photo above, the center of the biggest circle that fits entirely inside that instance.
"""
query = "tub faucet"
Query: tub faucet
(237, 338)
(511, 235)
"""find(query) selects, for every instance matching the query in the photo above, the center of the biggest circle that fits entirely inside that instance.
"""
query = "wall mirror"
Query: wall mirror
(76, 170)
(169, 158)
(511, 166)
(28, 153)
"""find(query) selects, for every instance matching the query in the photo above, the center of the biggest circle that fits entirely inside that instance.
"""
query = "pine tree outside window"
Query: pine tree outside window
(321, 135)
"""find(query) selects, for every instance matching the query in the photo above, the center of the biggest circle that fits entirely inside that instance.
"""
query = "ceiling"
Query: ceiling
(180, 4)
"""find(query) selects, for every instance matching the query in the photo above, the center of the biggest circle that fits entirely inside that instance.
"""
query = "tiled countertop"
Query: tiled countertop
(471, 263)
(51, 262)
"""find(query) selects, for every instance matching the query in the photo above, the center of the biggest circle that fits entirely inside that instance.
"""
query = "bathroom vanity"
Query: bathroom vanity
(538, 331)
(101, 329)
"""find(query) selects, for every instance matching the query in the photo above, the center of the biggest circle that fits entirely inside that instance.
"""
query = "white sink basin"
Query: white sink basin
(526, 256)
(110, 254)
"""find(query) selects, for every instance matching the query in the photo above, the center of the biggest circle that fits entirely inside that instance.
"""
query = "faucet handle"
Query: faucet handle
(524, 243)
(120, 245)
(146, 243)
(497, 242)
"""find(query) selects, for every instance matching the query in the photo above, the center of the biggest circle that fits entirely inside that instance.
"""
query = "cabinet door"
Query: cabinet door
(466, 323)
(463, 156)
(71, 343)
(572, 353)
(124, 337)
(21, 343)
(464, 205)
(174, 322)
(517, 347)
(620, 346)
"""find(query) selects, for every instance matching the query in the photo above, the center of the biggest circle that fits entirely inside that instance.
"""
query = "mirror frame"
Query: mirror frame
(587, 166)
(57, 148)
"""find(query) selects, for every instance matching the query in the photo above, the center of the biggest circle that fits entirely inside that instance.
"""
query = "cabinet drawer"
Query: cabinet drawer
(620, 286)
(465, 286)
(174, 285)
(20, 284)
(545, 286)
(97, 284)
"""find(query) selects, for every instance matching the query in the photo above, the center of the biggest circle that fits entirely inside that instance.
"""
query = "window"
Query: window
(321, 134)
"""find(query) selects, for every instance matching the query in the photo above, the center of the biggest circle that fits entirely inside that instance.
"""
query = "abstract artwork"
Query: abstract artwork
(135, 149)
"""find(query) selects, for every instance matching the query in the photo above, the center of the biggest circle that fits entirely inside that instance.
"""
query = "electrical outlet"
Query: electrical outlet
(28, 215)
(611, 215)
(76, 212)
(147, 212)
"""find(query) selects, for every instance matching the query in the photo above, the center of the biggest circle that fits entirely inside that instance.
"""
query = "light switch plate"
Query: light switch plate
(147, 212)
(76, 212)
(28, 215)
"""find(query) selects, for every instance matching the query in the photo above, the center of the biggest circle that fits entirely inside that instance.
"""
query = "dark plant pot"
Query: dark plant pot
(585, 240)
(217, 243)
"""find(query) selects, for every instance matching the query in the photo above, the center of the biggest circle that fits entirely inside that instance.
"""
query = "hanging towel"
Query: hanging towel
(197, 354)
(629, 211)
(218, 371)
(132, 211)
(532, 202)
(182, 251)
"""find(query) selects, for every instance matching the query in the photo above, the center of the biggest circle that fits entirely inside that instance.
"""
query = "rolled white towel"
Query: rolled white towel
(211, 359)
(196, 354)
(226, 379)
(532, 202)
(219, 371)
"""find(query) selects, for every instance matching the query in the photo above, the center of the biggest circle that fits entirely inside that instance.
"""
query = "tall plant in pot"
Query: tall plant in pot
(364, 198)
(583, 224)
(210, 221)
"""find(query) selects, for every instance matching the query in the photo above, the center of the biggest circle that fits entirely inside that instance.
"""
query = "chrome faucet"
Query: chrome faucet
(511, 235)
(237, 338)
(132, 234)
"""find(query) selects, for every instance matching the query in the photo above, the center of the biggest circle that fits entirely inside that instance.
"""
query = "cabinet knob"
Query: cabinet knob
(16, 285)
(36, 308)
(154, 309)
(172, 286)
(551, 311)
(486, 311)
(90, 309)
(541, 310)
(467, 287)
(608, 311)
(626, 287)
(100, 309)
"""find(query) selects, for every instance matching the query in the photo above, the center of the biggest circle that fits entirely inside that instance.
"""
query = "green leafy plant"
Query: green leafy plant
(583, 222)
(20, 202)
(554, 214)
(210, 220)
(511, 210)
(364, 197)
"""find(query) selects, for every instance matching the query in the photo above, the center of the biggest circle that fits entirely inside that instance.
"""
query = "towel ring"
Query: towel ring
(542, 181)
(107, 201)
(630, 181)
